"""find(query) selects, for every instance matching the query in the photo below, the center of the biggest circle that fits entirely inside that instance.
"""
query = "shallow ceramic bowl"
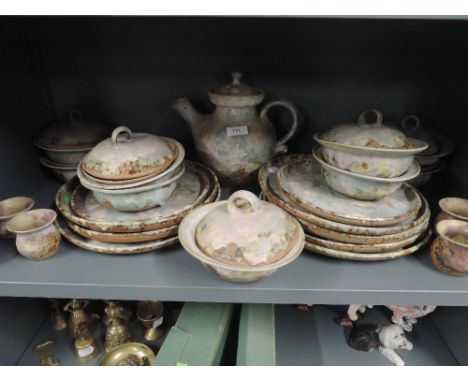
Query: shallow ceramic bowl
(36, 236)
(452, 209)
(65, 157)
(138, 198)
(449, 231)
(61, 172)
(374, 162)
(446, 148)
(360, 186)
(129, 354)
(228, 272)
(9, 208)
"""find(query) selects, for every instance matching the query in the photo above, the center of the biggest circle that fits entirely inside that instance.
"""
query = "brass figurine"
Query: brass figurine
(44, 351)
(86, 347)
(118, 332)
(150, 313)
(57, 318)
(77, 315)
(126, 314)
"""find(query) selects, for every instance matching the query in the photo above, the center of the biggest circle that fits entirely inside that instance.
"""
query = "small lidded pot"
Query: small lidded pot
(246, 231)
(9, 208)
(36, 236)
(127, 155)
(453, 253)
(452, 209)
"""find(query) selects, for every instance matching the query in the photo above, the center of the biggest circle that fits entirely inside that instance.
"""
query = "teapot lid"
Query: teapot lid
(368, 134)
(411, 126)
(246, 231)
(74, 134)
(236, 94)
(127, 155)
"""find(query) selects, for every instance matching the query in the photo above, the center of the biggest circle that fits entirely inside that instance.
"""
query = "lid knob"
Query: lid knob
(243, 202)
(363, 120)
(120, 130)
(236, 77)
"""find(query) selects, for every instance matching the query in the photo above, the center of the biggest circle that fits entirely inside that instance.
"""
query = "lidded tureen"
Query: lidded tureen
(246, 231)
(127, 155)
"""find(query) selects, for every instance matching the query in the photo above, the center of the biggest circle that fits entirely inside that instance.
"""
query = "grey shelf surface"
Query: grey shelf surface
(173, 275)
(313, 338)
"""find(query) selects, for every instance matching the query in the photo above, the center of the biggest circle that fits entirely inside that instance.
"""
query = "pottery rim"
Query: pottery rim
(441, 228)
(444, 207)
(17, 221)
(56, 166)
(13, 199)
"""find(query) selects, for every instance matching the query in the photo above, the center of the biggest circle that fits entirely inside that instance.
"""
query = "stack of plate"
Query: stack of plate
(66, 143)
(343, 227)
(90, 225)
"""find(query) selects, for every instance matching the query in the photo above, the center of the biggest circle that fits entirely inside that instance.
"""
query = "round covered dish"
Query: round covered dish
(236, 94)
(411, 126)
(128, 155)
(246, 231)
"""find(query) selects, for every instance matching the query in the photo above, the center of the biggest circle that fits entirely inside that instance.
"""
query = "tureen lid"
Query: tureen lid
(368, 134)
(74, 134)
(246, 231)
(411, 126)
(127, 155)
(236, 94)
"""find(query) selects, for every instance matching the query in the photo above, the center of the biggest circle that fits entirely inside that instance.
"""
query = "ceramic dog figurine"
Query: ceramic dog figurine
(385, 339)
(354, 309)
(406, 315)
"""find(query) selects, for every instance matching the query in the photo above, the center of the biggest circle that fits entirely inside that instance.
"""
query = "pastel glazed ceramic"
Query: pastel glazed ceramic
(452, 209)
(235, 140)
(61, 172)
(454, 235)
(411, 127)
(9, 208)
(370, 149)
(362, 187)
(36, 236)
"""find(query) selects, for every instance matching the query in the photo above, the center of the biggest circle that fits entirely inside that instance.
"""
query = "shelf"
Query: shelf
(315, 339)
(173, 275)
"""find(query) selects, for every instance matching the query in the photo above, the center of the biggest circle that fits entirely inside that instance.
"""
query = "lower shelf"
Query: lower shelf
(314, 338)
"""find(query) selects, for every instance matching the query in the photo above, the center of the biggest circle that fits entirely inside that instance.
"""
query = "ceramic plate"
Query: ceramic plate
(269, 185)
(370, 256)
(111, 248)
(302, 182)
(195, 187)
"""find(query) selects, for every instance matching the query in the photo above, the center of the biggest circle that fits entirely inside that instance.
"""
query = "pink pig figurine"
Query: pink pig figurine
(406, 315)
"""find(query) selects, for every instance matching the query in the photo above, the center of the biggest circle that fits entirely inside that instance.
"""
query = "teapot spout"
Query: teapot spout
(186, 110)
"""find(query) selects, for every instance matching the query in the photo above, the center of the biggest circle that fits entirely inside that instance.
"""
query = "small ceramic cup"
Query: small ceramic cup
(452, 209)
(9, 208)
(454, 235)
(36, 236)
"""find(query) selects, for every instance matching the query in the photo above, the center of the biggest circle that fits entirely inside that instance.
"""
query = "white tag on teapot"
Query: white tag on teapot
(233, 131)
(158, 322)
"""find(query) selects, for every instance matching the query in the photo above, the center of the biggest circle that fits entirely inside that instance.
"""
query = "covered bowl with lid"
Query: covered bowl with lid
(369, 148)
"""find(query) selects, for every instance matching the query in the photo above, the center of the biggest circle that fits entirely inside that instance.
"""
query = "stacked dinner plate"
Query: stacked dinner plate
(66, 143)
(339, 226)
(99, 228)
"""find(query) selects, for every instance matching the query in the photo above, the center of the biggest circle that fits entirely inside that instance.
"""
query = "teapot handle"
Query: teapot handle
(245, 196)
(280, 145)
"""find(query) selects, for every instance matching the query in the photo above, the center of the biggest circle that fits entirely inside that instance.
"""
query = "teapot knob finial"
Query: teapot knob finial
(236, 77)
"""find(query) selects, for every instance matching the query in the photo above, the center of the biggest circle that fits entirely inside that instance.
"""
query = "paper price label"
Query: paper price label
(158, 322)
(85, 351)
(233, 131)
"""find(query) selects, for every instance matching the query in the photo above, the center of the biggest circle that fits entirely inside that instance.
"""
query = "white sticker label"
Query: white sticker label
(85, 351)
(233, 131)
(158, 322)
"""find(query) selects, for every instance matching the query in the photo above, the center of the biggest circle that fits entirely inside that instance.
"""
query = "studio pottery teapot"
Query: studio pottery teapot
(235, 140)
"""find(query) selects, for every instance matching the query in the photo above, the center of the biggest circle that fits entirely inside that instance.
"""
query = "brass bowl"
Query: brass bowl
(129, 354)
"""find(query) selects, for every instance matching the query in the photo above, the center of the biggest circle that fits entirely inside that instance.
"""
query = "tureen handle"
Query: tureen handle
(75, 115)
(280, 145)
(246, 197)
(408, 118)
(377, 113)
(120, 130)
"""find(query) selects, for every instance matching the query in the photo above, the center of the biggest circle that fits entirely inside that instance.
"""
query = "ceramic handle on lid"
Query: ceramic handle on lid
(249, 203)
(120, 130)
(280, 145)
(413, 125)
(362, 120)
(236, 77)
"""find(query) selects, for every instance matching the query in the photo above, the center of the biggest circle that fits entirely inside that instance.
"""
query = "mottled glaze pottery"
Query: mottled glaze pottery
(370, 149)
(9, 208)
(112, 248)
(246, 231)
(127, 155)
(235, 140)
(91, 181)
(271, 190)
(452, 250)
(426, 175)
(196, 185)
(411, 127)
(36, 236)
(139, 198)
(66, 143)
(406, 316)
(390, 255)
(302, 182)
(452, 209)
(61, 172)
(129, 354)
(446, 148)
(362, 187)
(233, 273)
